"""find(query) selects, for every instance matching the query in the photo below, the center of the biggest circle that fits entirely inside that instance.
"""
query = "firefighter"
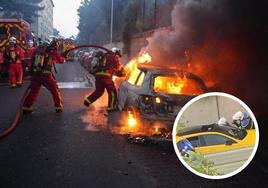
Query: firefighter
(41, 70)
(29, 53)
(2, 67)
(107, 66)
(14, 58)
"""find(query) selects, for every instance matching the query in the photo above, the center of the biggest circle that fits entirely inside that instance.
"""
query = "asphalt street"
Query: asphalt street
(63, 150)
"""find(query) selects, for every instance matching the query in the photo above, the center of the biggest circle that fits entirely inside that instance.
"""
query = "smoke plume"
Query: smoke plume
(223, 41)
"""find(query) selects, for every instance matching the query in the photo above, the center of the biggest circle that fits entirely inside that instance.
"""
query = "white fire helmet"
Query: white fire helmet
(12, 40)
(223, 122)
(116, 51)
(30, 43)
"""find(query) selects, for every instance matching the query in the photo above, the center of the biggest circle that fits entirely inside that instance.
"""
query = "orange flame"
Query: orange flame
(131, 120)
(132, 66)
(164, 84)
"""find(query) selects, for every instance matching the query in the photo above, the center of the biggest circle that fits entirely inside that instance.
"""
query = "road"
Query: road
(230, 161)
(63, 150)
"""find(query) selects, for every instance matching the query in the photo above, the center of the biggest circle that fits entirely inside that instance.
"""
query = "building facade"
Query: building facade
(43, 25)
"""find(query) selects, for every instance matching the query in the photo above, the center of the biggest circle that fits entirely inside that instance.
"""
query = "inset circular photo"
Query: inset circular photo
(215, 135)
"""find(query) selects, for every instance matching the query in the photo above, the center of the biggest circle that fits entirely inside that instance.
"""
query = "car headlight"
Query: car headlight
(146, 104)
(157, 100)
(155, 104)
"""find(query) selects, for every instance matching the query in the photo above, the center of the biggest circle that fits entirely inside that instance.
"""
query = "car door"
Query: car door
(213, 143)
(129, 91)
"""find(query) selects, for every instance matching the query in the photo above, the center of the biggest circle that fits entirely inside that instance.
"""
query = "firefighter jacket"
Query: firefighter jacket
(13, 54)
(43, 60)
(109, 66)
(29, 53)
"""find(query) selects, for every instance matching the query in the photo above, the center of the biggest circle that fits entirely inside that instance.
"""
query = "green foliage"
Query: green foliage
(180, 126)
(198, 162)
(25, 9)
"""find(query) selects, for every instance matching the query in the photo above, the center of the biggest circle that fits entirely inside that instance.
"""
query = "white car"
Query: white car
(150, 96)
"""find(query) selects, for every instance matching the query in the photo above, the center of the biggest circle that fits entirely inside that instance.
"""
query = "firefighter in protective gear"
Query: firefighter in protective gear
(14, 58)
(29, 53)
(41, 70)
(108, 66)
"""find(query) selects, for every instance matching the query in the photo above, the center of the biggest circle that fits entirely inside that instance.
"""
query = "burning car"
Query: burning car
(152, 95)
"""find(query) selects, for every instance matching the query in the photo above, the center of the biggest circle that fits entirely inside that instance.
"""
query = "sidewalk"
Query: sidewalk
(4, 81)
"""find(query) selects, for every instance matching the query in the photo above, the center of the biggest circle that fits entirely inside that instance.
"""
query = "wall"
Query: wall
(43, 25)
(209, 109)
(137, 42)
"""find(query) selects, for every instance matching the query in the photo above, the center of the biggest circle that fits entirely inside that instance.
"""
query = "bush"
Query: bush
(198, 162)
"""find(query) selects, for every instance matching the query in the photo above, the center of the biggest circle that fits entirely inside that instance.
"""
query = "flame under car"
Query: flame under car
(155, 94)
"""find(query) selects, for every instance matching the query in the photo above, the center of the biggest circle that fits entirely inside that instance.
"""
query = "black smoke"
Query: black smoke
(224, 41)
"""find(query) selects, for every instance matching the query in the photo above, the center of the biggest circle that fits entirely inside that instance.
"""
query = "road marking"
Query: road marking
(72, 85)
(62, 85)
(79, 79)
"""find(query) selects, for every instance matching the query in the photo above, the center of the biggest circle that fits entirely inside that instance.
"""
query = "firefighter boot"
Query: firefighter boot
(58, 109)
(19, 84)
(27, 110)
(12, 86)
(87, 102)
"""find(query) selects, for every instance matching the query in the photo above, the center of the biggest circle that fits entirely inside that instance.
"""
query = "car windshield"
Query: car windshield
(176, 85)
(15, 32)
(3, 33)
(239, 134)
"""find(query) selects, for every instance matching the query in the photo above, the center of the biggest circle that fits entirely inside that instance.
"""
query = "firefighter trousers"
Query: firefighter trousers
(15, 74)
(102, 83)
(49, 82)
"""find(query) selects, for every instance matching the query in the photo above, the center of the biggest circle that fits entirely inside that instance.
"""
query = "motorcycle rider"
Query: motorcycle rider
(242, 120)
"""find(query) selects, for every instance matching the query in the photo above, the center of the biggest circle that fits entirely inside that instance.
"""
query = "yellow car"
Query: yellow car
(212, 138)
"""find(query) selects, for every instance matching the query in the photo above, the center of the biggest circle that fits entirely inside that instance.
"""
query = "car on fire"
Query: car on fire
(208, 139)
(154, 95)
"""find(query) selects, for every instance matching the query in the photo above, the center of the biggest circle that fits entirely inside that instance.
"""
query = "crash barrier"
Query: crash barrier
(14, 124)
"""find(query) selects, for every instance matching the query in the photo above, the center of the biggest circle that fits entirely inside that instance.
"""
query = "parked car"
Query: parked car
(212, 138)
(146, 95)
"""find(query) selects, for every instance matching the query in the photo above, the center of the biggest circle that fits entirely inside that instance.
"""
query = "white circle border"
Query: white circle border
(223, 95)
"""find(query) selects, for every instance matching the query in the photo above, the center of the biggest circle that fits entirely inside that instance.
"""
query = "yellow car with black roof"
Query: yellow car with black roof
(212, 138)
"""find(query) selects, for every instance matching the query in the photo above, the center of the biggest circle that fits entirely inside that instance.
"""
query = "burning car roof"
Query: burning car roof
(173, 71)
(150, 67)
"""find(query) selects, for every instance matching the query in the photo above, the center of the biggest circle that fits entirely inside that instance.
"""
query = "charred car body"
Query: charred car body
(155, 95)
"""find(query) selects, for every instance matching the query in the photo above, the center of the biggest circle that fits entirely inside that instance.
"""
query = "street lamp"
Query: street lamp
(112, 18)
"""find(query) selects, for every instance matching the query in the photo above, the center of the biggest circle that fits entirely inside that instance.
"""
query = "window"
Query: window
(15, 32)
(194, 141)
(176, 85)
(133, 76)
(3, 33)
(214, 139)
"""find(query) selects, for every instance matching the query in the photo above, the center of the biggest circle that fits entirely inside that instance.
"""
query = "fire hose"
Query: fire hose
(15, 122)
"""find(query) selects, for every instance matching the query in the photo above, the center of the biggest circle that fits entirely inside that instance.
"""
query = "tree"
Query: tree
(25, 9)
(129, 17)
